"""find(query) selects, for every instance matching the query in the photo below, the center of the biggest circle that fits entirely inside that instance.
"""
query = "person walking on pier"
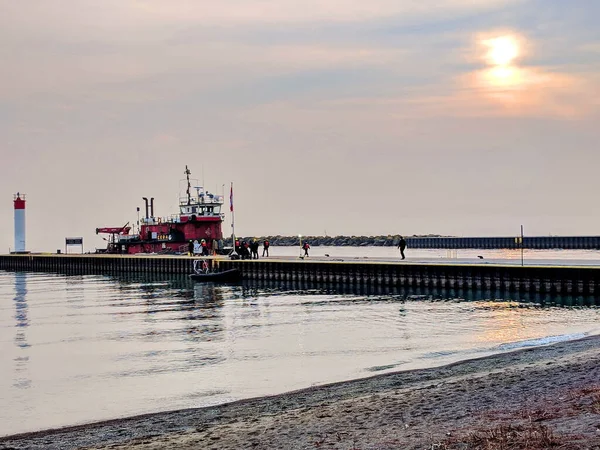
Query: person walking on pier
(191, 248)
(305, 247)
(402, 246)
(266, 247)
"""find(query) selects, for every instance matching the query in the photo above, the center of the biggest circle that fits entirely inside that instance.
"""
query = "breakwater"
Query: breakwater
(529, 242)
(445, 242)
(494, 277)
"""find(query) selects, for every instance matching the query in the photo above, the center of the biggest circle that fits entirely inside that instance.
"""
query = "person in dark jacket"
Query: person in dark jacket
(402, 246)
(305, 247)
(254, 249)
(245, 250)
(191, 248)
(266, 247)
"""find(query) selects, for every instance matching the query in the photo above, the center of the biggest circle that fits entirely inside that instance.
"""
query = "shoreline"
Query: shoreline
(417, 408)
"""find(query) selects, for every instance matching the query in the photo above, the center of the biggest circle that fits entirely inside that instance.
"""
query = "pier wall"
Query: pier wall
(529, 242)
(97, 264)
(534, 279)
(506, 278)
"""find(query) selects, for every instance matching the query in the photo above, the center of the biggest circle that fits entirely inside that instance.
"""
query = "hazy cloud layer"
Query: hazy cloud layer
(352, 117)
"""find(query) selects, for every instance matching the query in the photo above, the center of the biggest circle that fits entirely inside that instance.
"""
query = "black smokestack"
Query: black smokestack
(146, 201)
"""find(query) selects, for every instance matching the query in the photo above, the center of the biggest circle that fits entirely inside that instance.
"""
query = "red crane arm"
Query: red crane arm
(113, 230)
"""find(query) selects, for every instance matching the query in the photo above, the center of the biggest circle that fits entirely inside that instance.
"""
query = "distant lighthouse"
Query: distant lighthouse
(19, 201)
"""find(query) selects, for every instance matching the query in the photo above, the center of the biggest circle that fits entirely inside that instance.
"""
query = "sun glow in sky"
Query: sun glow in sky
(503, 50)
(508, 81)
(500, 54)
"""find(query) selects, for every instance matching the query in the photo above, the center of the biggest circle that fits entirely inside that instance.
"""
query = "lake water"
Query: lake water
(77, 349)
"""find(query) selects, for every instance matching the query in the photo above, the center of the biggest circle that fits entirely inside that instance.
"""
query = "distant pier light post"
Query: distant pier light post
(19, 204)
(519, 242)
(300, 238)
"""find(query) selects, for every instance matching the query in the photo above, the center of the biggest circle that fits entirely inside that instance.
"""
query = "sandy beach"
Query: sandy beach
(545, 397)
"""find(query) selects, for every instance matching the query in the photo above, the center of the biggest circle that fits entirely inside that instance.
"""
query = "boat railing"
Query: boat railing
(201, 200)
(176, 218)
(128, 237)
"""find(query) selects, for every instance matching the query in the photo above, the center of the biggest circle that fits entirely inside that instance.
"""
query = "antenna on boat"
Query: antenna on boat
(233, 254)
(187, 174)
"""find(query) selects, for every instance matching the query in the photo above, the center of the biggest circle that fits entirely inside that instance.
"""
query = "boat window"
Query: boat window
(194, 209)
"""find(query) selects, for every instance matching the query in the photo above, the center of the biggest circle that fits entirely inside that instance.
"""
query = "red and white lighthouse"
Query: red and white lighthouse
(19, 201)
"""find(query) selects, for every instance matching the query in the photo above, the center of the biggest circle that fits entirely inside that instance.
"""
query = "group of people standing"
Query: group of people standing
(198, 248)
(245, 249)
(249, 250)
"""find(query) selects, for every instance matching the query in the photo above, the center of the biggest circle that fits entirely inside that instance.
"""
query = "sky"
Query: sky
(338, 117)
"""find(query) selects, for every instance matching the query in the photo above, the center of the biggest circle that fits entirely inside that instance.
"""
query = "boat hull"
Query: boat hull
(225, 276)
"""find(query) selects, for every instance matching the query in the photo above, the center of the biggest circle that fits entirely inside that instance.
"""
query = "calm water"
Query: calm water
(77, 349)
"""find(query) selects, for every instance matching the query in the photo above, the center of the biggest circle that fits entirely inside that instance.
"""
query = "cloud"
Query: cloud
(153, 19)
(165, 139)
(248, 87)
(236, 12)
(144, 53)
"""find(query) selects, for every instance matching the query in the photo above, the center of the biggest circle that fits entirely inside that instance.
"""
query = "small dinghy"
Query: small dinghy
(227, 275)
(203, 273)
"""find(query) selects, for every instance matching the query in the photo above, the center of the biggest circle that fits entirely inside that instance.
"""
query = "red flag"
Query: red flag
(231, 199)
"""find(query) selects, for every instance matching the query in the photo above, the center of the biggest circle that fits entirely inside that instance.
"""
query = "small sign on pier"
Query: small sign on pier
(71, 241)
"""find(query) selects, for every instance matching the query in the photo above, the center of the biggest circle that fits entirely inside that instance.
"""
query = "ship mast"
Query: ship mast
(187, 174)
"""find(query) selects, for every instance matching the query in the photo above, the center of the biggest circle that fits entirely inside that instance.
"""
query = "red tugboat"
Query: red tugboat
(199, 220)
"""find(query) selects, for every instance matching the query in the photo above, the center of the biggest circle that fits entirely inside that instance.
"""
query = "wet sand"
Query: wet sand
(545, 397)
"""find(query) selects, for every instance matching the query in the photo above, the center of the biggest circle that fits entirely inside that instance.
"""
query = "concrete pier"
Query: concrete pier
(570, 280)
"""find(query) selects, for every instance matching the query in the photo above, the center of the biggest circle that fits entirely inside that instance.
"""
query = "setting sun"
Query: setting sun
(503, 50)
(503, 79)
